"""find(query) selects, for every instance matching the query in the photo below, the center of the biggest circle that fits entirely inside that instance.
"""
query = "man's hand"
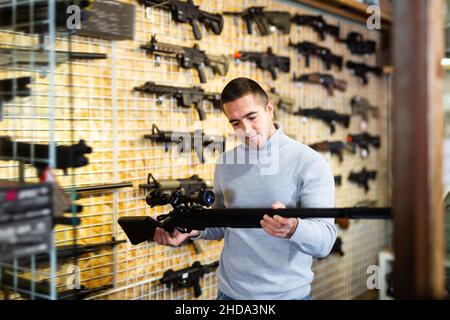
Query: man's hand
(163, 237)
(279, 226)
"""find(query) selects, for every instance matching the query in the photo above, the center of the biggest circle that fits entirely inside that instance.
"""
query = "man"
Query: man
(273, 262)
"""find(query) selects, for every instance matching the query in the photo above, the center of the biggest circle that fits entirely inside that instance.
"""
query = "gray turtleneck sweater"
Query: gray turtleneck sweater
(254, 264)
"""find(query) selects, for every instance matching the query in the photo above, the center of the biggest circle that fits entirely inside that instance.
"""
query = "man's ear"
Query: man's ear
(270, 107)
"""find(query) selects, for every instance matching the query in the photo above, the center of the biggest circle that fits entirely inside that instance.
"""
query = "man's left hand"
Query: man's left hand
(279, 226)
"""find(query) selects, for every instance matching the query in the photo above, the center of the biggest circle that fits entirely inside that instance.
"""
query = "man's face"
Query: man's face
(251, 119)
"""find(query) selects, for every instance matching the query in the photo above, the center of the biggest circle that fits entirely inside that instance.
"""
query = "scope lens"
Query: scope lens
(207, 197)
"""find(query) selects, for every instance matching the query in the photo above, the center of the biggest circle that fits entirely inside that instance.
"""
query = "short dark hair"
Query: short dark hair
(239, 87)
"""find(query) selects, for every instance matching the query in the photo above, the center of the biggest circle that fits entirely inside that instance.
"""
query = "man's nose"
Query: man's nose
(246, 126)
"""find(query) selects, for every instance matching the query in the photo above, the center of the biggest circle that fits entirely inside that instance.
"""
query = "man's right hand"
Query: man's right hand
(163, 237)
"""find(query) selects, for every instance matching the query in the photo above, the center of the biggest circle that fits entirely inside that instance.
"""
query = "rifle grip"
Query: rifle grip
(200, 153)
(201, 113)
(307, 60)
(273, 73)
(196, 29)
(197, 289)
(364, 79)
(322, 34)
(249, 25)
(201, 73)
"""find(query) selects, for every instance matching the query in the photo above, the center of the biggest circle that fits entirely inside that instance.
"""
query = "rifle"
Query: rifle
(196, 140)
(330, 117)
(266, 61)
(185, 96)
(187, 12)
(189, 58)
(265, 20)
(38, 14)
(88, 190)
(318, 24)
(37, 154)
(13, 56)
(361, 106)
(187, 187)
(67, 252)
(308, 49)
(188, 215)
(362, 178)
(334, 147)
(9, 88)
(357, 45)
(281, 103)
(361, 70)
(188, 277)
(326, 80)
(363, 140)
(43, 288)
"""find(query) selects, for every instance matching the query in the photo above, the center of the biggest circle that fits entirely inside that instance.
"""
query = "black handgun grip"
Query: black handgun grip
(201, 73)
(196, 29)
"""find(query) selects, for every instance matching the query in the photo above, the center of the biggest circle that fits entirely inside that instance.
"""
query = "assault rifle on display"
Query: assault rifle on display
(334, 147)
(357, 45)
(308, 49)
(361, 106)
(363, 141)
(266, 21)
(361, 69)
(189, 58)
(188, 277)
(266, 61)
(15, 56)
(326, 80)
(362, 178)
(186, 97)
(318, 24)
(330, 117)
(187, 12)
(72, 156)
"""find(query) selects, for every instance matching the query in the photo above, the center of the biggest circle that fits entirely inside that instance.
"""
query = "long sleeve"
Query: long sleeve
(316, 236)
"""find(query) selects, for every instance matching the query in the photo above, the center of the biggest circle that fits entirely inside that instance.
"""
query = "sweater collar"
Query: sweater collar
(275, 140)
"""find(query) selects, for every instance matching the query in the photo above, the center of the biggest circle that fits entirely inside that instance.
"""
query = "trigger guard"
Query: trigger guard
(183, 230)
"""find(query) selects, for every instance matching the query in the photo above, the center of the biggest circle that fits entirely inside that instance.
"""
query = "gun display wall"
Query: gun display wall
(123, 95)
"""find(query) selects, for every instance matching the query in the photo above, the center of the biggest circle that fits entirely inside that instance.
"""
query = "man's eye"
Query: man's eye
(252, 118)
